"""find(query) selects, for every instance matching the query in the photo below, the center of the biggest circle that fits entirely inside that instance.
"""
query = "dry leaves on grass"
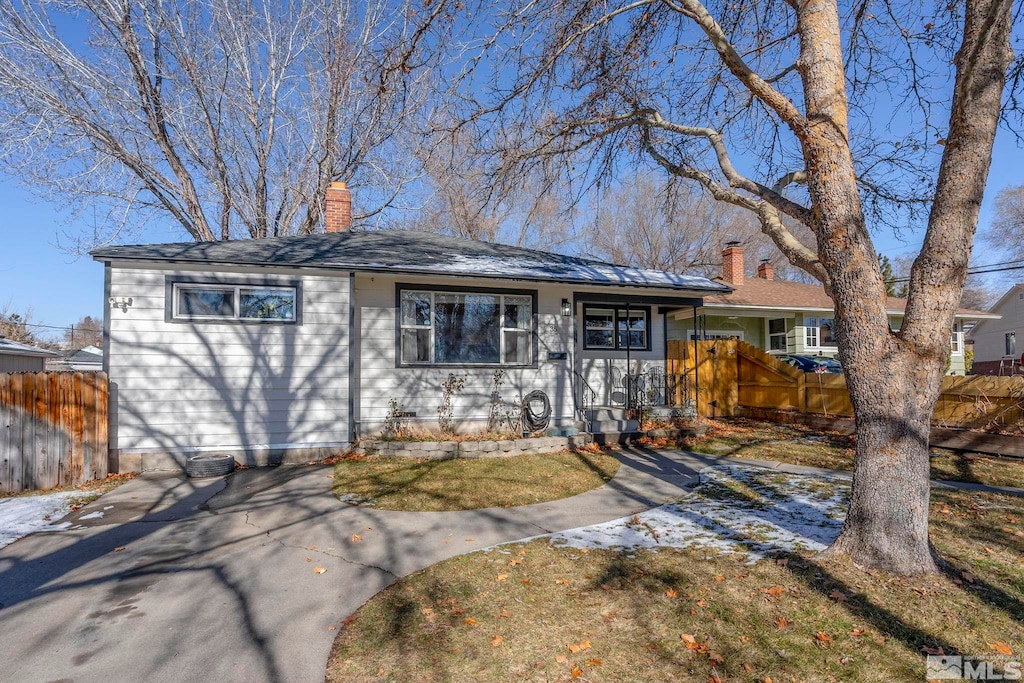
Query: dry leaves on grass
(496, 641)
(1001, 647)
(578, 647)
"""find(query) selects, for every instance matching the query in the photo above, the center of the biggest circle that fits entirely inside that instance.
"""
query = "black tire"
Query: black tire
(212, 465)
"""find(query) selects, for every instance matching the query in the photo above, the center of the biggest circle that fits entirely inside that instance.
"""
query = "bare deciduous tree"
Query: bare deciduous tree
(463, 200)
(1007, 230)
(837, 118)
(227, 118)
(647, 223)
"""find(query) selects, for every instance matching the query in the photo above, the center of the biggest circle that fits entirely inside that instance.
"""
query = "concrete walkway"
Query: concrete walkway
(213, 579)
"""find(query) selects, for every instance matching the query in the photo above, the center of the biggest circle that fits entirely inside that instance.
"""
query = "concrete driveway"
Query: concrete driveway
(212, 580)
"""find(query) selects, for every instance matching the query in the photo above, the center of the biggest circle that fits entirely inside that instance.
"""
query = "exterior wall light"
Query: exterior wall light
(566, 308)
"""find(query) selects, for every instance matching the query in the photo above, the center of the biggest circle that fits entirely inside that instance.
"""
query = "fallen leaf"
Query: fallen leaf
(671, 593)
(496, 641)
(714, 679)
(470, 539)
(857, 632)
(579, 647)
(774, 590)
(719, 578)
(968, 577)
(118, 548)
(501, 577)
(312, 547)
(767, 679)
(716, 658)
(514, 562)
(838, 596)
(577, 672)
(822, 637)
(691, 642)
(988, 550)
(1001, 647)
(471, 621)
(526, 582)
(747, 667)
(595, 662)
(782, 622)
(332, 628)
(319, 570)
(356, 538)
(563, 582)
(937, 651)
(561, 659)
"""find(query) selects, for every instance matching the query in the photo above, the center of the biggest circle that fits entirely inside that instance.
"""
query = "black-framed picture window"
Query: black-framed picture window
(613, 328)
(229, 302)
(452, 327)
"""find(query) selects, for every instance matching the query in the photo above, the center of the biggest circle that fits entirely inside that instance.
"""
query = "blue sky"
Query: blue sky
(58, 288)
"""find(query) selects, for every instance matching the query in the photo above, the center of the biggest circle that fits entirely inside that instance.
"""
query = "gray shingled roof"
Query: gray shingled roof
(407, 252)
(13, 348)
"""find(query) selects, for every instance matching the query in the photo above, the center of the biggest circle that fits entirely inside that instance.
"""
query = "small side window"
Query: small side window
(242, 303)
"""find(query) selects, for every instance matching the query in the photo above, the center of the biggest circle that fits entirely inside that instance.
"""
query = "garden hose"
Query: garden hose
(536, 421)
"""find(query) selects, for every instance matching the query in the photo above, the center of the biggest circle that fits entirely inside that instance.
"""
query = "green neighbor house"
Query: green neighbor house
(784, 317)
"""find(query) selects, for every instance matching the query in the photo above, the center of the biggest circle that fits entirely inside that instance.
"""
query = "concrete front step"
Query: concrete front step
(595, 414)
(621, 438)
(614, 426)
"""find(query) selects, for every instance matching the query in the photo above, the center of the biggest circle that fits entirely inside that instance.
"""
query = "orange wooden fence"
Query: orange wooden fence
(733, 373)
(53, 429)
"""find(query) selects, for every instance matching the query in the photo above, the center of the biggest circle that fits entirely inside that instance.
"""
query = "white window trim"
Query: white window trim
(817, 334)
(236, 290)
(530, 331)
(603, 328)
(768, 336)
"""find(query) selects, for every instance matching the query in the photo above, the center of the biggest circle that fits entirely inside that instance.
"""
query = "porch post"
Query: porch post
(696, 375)
(628, 387)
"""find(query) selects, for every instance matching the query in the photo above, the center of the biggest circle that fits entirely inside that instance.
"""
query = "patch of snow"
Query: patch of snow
(735, 509)
(24, 515)
(92, 515)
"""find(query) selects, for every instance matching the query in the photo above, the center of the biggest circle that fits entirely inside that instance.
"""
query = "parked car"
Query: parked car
(813, 363)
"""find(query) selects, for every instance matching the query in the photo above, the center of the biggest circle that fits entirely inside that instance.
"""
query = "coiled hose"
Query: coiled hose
(536, 421)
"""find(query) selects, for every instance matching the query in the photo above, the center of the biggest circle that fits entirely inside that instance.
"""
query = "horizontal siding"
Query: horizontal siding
(206, 384)
(419, 389)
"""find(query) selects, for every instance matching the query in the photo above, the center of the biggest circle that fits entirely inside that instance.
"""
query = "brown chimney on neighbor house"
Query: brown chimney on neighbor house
(765, 270)
(337, 208)
(732, 263)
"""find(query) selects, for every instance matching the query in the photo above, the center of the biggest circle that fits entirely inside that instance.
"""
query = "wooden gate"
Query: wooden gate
(53, 429)
(709, 368)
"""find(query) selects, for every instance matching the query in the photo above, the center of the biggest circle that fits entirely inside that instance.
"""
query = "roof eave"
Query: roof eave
(717, 289)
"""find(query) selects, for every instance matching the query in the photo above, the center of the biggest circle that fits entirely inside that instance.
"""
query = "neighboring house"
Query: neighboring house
(18, 357)
(85, 359)
(999, 344)
(292, 347)
(783, 317)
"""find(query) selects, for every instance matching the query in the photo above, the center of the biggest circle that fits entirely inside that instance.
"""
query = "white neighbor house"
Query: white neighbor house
(290, 348)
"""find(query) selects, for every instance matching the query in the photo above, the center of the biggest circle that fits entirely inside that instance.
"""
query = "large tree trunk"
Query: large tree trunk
(887, 522)
(895, 379)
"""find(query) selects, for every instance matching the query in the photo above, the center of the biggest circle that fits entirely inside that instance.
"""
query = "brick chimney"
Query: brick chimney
(732, 263)
(337, 208)
(765, 270)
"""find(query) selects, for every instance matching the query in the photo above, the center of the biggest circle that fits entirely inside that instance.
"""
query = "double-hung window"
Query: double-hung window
(228, 302)
(777, 334)
(819, 332)
(615, 328)
(956, 341)
(465, 328)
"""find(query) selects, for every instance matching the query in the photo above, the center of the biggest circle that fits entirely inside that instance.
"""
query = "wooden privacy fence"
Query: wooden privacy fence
(733, 374)
(53, 429)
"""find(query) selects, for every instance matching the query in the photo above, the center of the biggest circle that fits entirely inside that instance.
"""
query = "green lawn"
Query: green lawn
(801, 445)
(390, 483)
(537, 613)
